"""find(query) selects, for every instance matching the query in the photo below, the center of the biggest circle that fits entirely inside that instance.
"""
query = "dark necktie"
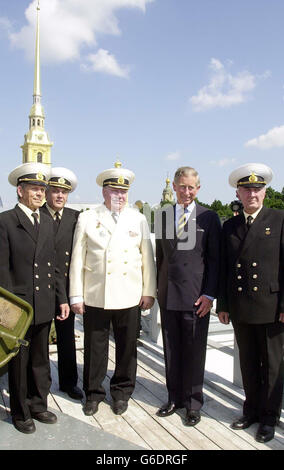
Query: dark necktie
(56, 221)
(36, 224)
(249, 221)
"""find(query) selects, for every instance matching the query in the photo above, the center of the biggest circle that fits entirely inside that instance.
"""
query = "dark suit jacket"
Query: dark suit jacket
(28, 264)
(185, 274)
(64, 240)
(252, 268)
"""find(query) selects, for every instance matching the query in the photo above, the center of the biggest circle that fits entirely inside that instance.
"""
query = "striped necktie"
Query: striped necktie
(181, 222)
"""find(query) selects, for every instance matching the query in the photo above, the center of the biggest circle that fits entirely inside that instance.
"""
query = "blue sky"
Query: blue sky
(156, 83)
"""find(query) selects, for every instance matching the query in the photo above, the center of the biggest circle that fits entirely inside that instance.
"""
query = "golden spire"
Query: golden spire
(37, 145)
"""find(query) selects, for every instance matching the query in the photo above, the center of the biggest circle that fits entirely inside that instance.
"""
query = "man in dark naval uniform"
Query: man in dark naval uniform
(187, 254)
(63, 181)
(28, 269)
(251, 296)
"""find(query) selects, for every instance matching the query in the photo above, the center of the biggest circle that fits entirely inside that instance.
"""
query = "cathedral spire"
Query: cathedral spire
(37, 146)
(37, 91)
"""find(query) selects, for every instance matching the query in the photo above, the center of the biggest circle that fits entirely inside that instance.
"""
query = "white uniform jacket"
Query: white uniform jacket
(112, 264)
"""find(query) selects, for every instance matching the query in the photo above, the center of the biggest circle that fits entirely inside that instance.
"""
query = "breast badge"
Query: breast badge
(267, 231)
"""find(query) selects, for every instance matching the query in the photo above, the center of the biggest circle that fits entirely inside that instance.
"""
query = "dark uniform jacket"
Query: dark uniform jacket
(252, 268)
(184, 275)
(28, 264)
(64, 241)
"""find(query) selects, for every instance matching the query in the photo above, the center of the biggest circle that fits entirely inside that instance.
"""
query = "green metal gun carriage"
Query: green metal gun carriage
(15, 318)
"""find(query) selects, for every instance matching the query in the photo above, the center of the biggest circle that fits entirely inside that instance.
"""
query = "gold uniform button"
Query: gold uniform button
(124, 274)
(239, 265)
(49, 286)
(109, 273)
(48, 264)
(36, 265)
(66, 264)
(65, 274)
(37, 276)
(37, 288)
(254, 276)
(254, 264)
(240, 289)
(255, 289)
(49, 275)
(239, 277)
(67, 253)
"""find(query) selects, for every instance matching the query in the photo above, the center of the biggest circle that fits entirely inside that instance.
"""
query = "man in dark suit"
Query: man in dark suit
(62, 181)
(252, 297)
(187, 255)
(28, 269)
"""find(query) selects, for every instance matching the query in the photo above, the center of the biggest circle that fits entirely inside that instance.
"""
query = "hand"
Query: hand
(204, 304)
(146, 302)
(78, 308)
(64, 312)
(224, 317)
(281, 317)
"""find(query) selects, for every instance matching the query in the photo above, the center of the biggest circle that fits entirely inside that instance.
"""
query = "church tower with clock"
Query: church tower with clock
(37, 146)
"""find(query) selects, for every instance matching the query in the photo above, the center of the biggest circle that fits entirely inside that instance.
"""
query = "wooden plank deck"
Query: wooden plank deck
(139, 425)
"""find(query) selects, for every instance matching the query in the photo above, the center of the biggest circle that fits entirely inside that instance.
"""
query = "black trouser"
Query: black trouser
(185, 341)
(29, 374)
(96, 342)
(262, 368)
(66, 349)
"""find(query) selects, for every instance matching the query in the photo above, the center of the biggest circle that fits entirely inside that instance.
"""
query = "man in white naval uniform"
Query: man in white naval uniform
(112, 276)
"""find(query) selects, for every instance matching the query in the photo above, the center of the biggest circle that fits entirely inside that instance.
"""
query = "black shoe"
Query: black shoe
(45, 417)
(264, 433)
(27, 426)
(119, 406)
(167, 410)
(73, 392)
(91, 407)
(192, 417)
(243, 422)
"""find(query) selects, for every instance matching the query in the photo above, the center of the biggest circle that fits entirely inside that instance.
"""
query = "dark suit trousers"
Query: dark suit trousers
(29, 374)
(66, 349)
(96, 343)
(261, 361)
(185, 342)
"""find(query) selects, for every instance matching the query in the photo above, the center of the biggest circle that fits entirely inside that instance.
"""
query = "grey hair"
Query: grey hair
(23, 185)
(186, 171)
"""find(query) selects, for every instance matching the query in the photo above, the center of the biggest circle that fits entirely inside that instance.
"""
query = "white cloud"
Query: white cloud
(173, 156)
(104, 62)
(223, 162)
(67, 27)
(273, 138)
(224, 89)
